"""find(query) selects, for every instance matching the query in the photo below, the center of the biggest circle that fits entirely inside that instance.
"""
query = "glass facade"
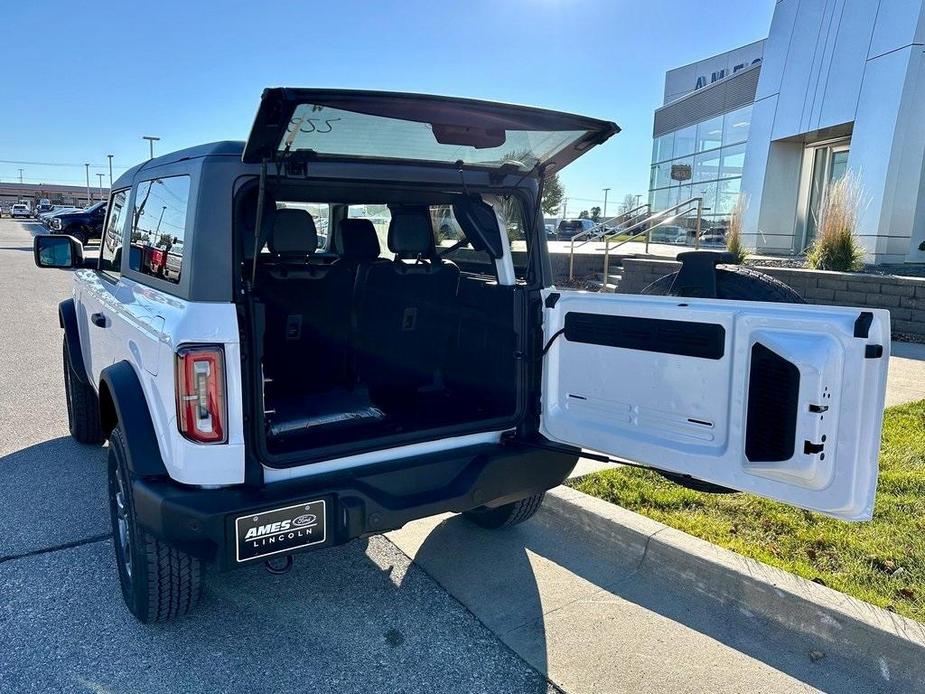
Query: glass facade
(715, 151)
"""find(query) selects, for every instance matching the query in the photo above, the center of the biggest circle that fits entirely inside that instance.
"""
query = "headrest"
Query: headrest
(293, 233)
(411, 233)
(357, 239)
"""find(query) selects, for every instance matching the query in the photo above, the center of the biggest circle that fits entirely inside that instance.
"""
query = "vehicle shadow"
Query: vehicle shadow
(358, 615)
(52, 494)
(517, 582)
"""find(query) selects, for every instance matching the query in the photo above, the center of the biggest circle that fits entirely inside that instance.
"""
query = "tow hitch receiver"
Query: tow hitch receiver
(279, 565)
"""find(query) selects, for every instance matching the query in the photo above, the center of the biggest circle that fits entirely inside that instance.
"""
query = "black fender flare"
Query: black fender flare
(123, 403)
(67, 319)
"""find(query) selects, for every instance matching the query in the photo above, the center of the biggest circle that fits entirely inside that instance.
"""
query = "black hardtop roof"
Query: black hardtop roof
(222, 148)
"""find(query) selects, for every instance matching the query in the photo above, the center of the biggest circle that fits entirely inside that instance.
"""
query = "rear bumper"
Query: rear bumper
(201, 522)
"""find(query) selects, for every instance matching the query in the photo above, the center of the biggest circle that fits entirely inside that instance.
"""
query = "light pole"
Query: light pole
(101, 185)
(159, 220)
(151, 140)
(606, 190)
(637, 199)
(564, 207)
(20, 177)
(88, 183)
(109, 156)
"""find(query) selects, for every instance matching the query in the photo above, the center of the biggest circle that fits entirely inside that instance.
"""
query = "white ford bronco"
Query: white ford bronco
(264, 392)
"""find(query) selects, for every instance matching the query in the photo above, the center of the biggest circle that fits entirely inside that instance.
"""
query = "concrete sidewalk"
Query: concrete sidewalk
(906, 381)
(593, 616)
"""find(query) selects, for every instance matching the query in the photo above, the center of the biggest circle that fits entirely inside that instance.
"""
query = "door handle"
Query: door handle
(98, 319)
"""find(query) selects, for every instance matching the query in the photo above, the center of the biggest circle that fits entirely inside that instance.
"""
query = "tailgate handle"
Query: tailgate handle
(98, 319)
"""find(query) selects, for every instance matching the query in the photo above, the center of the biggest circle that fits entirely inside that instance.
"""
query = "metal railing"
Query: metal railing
(601, 229)
(646, 226)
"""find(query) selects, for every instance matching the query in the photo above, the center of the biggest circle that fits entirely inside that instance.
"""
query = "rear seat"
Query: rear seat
(402, 312)
(307, 309)
(316, 387)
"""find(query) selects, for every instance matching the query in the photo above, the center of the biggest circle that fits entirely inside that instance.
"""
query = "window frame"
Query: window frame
(108, 273)
(181, 288)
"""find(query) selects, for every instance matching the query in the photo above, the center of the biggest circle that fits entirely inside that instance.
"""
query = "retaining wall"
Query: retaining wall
(903, 296)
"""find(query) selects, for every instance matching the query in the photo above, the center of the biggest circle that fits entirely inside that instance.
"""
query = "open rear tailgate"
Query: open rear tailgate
(419, 129)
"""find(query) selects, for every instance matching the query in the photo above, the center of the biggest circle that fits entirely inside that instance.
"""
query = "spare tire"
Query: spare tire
(737, 283)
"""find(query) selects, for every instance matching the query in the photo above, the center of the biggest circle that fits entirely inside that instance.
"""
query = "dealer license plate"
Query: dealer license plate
(280, 530)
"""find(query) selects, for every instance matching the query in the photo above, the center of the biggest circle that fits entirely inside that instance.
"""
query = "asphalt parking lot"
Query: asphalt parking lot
(360, 618)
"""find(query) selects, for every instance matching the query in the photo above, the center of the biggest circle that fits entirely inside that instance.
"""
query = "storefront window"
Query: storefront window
(706, 166)
(663, 148)
(728, 195)
(715, 152)
(685, 141)
(710, 134)
(659, 200)
(733, 161)
(736, 125)
(707, 191)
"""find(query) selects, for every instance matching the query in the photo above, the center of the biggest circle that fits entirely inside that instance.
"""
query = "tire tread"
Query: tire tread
(738, 282)
(83, 405)
(169, 584)
(507, 515)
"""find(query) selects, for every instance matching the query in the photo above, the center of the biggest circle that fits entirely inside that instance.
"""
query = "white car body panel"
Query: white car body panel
(687, 415)
(146, 328)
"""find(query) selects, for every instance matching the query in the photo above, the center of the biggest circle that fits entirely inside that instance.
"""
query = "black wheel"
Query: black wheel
(737, 282)
(159, 582)
(83, 407)
(507, 515)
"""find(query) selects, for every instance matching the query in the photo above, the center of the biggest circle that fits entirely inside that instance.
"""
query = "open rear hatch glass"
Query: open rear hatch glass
(321, 124)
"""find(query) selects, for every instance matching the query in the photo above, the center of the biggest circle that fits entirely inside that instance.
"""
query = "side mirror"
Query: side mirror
(50, 250)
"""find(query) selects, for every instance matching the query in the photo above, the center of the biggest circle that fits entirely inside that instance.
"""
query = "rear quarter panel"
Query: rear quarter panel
(160, 324)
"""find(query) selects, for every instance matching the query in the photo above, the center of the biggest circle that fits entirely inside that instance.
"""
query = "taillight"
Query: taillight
(201, 411)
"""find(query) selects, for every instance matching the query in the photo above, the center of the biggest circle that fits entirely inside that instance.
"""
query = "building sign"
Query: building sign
(680, 172)
(720, 74)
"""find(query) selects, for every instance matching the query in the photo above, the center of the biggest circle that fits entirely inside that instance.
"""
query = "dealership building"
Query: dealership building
(838, 85)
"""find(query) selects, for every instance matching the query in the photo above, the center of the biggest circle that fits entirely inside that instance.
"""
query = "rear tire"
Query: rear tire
(83, 407)
(507, 515)
(159, 582)
(738, 283)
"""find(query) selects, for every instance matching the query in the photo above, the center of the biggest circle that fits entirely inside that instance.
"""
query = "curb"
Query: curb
(892, 646)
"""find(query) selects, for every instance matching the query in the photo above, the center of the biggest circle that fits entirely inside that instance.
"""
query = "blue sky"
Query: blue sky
(88, 83)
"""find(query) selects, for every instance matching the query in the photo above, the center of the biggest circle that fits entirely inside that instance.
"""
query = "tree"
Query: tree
(553, 193)
(596, 214)
(583, 214)
(629, 202)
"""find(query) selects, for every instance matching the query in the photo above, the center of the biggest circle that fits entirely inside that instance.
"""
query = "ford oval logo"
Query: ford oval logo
(304, 519)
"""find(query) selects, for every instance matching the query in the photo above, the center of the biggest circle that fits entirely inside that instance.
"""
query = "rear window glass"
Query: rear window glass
(447, 234)
(334, 131)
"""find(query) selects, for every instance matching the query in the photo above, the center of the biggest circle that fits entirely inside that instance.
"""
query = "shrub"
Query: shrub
(734, 232)
(836, 247)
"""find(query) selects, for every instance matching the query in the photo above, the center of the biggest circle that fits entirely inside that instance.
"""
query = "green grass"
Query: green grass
(881, 561)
